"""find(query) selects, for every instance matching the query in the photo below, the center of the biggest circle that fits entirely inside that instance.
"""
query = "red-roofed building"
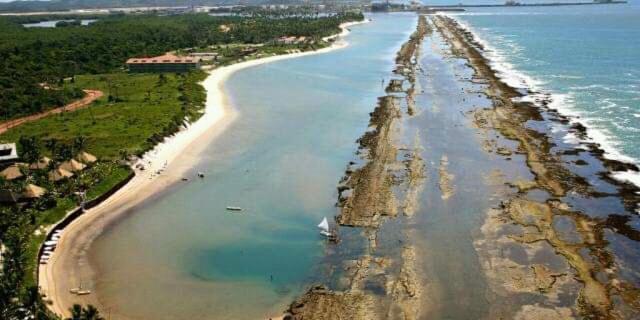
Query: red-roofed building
(165, 63)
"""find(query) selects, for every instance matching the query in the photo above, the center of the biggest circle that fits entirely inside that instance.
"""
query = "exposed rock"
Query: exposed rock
(446, 179)
(319, 303)
(537, 312)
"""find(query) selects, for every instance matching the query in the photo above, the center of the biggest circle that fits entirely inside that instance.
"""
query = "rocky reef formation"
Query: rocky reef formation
(376, 286)
(579, 278)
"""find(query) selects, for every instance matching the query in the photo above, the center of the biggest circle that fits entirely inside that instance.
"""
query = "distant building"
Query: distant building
(205, 56)
(387, 7)
(8, 153)
(380, 7)
(291, 40)
(165, 63)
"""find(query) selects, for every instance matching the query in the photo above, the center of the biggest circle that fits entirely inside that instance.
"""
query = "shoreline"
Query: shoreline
(589, 137)
(69, 265)
(512, 95)
(508, 116)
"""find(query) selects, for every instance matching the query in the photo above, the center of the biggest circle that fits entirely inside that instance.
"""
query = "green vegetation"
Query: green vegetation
(88, 313)
(20, 227)
(136, 112)
(30, 57)
(46, 67)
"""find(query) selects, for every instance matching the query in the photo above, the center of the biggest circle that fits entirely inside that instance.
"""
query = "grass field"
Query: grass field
(136, 111)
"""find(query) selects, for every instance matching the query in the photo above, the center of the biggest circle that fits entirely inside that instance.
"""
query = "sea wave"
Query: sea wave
(563, 102)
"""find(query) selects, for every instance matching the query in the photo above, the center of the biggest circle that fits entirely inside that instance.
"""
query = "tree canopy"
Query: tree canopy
(34, 61)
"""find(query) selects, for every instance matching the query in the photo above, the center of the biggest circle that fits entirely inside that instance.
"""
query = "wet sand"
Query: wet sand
(69, 266)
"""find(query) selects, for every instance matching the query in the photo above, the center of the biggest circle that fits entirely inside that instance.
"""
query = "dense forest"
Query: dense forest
(64, 5)
(33, 61)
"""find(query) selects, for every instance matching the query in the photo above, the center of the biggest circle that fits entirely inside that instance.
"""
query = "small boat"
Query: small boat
(234, 208)
(79, 291)
(201, 174)
(324, 227)
(326, 231)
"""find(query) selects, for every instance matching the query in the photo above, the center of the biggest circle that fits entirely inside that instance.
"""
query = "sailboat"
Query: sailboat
(79, 291)
(324, 227)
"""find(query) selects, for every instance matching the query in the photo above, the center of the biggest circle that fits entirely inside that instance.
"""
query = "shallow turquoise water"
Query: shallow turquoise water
(183, 255)
(587, 57)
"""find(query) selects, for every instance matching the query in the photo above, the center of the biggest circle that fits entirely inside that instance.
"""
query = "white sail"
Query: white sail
(324, 225)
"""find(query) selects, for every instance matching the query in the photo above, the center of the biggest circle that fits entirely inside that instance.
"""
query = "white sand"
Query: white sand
(173, 158)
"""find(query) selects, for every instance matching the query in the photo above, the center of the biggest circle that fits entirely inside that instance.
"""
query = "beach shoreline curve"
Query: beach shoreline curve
(165, 165)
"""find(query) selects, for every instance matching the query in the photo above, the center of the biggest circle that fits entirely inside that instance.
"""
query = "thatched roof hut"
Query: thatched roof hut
(72, 165)
(41, 164)
(8, 196)
(59, 174)
(31, 191)
(12, 172)
(86, 157)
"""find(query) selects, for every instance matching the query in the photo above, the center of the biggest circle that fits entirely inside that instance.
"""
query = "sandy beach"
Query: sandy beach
(164, 165)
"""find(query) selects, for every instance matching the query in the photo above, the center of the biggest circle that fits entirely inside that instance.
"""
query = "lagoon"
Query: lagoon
(182, 255)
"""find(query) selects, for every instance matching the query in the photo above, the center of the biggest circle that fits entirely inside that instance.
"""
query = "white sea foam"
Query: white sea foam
(565, 76)
(564, 103)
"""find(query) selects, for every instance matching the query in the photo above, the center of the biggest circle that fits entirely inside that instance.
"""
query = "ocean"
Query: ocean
(586, 57)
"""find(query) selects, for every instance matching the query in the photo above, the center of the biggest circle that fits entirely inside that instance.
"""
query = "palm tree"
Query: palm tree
(91, 313)
(51, 145)
(34, 303)
(88, 313)
(124, 154)
(76, 312)
(79, 144)
(64, 152)
(30, 148)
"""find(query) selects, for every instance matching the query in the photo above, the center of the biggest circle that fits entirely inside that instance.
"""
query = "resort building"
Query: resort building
(59, 174)
(86, 158)
(31, 191)
(165, 63)
(13, 171)
(43, 163)
(8, 153)
(8, 196)
(72, 166)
